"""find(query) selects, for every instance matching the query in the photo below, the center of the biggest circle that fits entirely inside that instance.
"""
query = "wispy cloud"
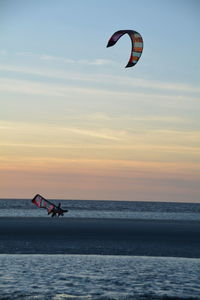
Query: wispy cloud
(102, 78)
(11, 129)
(107, 134)
(95, 62)
(28, 87)
(57, 59)
(125, 160)
(161, 85)
(62, 90)
(65, 60)
(154, 140)
(139, 118)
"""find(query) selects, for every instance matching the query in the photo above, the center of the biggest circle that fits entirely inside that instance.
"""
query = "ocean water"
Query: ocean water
(106, 209)
(100, 277)
(59, 277)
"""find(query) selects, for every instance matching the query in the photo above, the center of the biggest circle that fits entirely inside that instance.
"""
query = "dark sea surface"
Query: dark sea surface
(106, 209)
(59, 277)
(98, 277)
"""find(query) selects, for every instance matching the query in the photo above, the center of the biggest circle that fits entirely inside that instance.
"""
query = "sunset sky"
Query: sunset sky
(76, 124)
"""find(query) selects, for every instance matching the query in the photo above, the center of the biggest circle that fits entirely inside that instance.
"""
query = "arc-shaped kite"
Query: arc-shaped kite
(137, 44)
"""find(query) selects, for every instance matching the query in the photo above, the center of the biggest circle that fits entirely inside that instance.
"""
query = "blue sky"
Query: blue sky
(70, 112)
(79, 30)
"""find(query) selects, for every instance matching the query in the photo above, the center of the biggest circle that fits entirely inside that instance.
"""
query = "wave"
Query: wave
(20, 296)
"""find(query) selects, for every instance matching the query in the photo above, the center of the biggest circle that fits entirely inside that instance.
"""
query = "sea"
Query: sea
(105, 209)
(100, 277)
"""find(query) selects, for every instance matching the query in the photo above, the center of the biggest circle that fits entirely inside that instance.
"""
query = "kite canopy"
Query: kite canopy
(137, 44)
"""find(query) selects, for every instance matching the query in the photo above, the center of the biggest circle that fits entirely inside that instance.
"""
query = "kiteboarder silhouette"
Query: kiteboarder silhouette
(52, 209)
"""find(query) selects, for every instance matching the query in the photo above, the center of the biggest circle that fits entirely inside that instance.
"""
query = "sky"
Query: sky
(76, 124)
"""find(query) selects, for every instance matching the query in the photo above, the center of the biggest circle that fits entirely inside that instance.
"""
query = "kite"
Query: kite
(137, 44)
(52, 209)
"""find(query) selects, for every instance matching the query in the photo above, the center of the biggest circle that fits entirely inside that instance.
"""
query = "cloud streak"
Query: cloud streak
(64, 60)
(47, 140)
(31, 87)
(102, 78)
